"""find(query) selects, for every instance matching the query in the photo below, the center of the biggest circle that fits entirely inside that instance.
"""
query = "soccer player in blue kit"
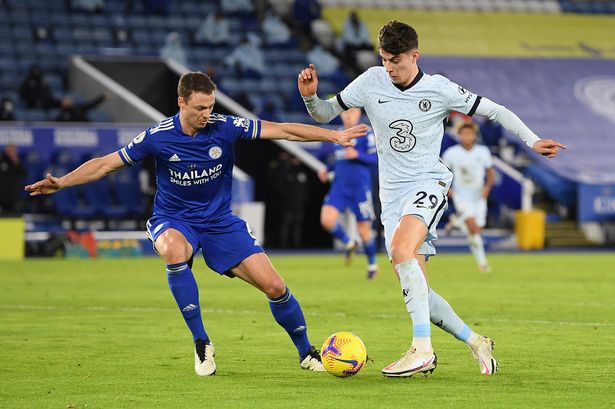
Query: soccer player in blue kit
(351, 189)
(194, 158)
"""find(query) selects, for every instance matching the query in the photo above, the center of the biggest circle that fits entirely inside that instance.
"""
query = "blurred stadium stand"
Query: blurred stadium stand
(552, 89)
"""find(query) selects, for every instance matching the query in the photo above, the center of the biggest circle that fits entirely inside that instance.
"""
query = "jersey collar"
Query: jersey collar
(178, 126)
(412, 84)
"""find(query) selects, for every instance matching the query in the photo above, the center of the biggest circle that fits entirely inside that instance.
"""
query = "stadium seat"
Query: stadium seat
(35, 115)
(125, 190)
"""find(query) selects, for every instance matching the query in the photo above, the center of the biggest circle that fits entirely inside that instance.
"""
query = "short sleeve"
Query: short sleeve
(353, 96)
(459, 99)
(138, 149)
(242, 128)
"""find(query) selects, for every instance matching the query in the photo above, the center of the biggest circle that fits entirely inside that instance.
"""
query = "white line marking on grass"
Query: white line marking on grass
(313, 314)
(561, 303)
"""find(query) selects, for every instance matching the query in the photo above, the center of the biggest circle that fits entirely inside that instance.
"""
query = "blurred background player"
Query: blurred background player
(472, 167)
(407, 108)
(192, 210)
(351, 189)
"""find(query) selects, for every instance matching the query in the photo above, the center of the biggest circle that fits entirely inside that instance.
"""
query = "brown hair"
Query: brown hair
(195, 82)
(467, 124)
(397, 38)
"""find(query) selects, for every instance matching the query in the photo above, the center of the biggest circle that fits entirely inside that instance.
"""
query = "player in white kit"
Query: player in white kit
(472, 166)
(406, 108)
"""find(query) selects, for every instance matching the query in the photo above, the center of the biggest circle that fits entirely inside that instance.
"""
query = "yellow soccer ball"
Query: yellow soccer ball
(343, 354)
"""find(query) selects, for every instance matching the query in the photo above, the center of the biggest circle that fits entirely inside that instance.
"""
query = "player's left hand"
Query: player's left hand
(548, 147)
(346, 136)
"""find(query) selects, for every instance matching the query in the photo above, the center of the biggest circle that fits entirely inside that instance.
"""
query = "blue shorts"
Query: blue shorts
(224, 244)
(359, 201)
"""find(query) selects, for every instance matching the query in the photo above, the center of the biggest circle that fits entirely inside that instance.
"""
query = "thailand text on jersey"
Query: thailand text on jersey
(408, 124)
(193, 174)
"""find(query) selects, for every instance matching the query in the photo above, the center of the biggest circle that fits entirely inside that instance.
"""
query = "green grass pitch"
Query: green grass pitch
(107, 334)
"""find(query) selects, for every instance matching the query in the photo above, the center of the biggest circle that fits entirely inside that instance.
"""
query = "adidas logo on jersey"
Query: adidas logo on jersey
(174, 158)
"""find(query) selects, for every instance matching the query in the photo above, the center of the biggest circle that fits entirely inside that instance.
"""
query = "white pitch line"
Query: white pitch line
(313, 314)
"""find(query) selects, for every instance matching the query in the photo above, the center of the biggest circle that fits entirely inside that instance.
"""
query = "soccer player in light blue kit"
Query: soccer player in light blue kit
(472, 167)
(406, 107)
(351, 189)
(194, 158)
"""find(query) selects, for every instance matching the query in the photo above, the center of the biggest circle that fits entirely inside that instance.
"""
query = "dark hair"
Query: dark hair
(397, 38)
(195, 82)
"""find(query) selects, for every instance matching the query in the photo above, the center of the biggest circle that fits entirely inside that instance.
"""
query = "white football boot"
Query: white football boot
(485, 268)
(204, 354)
(312, 361)
(412, 363)
(482, 353)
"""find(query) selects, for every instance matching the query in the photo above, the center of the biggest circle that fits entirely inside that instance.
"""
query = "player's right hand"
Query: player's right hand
(346, 136)
(307, 81)
(44, 187)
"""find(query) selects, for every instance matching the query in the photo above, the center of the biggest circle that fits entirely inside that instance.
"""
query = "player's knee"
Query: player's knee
(275, 288)
(327, 222)
(172, 252)
(401, 252)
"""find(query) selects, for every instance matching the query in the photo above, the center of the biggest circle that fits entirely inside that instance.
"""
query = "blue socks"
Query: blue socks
(338, 232)
(370, 251)
(287, 312)
(186, 293)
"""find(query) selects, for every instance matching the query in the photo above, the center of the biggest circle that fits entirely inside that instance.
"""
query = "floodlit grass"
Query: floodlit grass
(107, 334)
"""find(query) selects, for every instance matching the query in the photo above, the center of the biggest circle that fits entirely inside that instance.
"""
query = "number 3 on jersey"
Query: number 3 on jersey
(403, 141)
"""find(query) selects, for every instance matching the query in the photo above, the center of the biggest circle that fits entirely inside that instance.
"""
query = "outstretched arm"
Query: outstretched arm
(510, 121)
(321, 110)
(90, 171)
(303, 133)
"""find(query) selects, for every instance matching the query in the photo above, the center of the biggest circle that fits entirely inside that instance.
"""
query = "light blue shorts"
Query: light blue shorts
(427, 201)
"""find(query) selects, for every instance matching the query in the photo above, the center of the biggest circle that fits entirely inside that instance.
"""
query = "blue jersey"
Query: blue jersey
(193, 174)
(352, 174)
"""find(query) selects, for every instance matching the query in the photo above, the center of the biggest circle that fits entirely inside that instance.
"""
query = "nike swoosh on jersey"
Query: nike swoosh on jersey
(383, 101)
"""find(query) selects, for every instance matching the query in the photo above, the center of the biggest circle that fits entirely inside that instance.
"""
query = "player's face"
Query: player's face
(195, 111)
(467, 137)
(402, 67)
(351, 117)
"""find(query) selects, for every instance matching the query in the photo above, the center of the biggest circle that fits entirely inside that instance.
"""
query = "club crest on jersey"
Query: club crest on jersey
(425, 105)
(462, 90)
(215, 152)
